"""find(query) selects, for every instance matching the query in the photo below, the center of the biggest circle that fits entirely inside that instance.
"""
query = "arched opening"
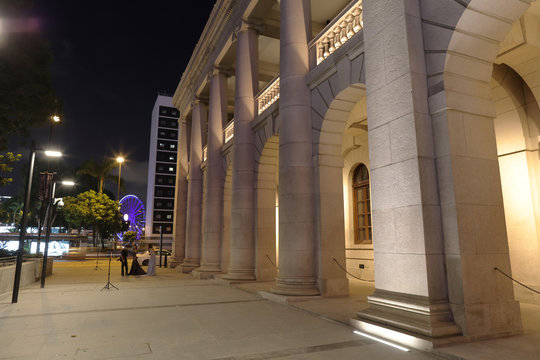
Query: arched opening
(343, 146)
(227, 199)
(470, 165)
(267, 211)
(516, 131)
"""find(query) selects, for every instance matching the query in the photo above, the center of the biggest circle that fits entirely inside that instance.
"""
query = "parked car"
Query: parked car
(144, 257)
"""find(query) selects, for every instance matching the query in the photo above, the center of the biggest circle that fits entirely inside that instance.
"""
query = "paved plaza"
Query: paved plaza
(173, 316)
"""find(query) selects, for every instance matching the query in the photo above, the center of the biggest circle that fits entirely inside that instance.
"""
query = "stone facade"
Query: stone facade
(436, 100)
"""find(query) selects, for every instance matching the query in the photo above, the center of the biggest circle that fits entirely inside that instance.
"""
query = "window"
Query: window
(166, 228)
(362, 206)
(161, 191)
(166, 145)
(166, 156)
(165, 180)
(169, 111)
(166, 122)
(163, 215)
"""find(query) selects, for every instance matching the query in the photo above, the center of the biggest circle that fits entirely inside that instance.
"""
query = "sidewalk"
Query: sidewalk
(173, 316)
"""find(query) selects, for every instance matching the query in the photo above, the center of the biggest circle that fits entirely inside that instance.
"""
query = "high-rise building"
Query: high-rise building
(162, 169)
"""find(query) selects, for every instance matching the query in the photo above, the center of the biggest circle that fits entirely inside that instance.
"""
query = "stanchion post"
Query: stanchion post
(160, 244)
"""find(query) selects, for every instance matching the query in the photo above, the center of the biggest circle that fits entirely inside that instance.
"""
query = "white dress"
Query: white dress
(151, 263)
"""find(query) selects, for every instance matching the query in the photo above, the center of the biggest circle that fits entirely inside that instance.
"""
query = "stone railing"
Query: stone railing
(228, 132)
(339, 31)
(268, 95)
(205, 153)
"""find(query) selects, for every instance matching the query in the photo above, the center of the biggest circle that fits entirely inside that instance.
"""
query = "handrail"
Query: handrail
(228, 132)
(344, 26)
(268, 95)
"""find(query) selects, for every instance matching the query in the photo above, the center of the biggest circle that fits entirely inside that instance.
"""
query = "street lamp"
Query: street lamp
(24, 219)
(119, 160)
(48, 216)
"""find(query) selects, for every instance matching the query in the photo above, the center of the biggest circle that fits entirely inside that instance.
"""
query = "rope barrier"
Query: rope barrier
(356, 277)
(271, 262)
(511, 278)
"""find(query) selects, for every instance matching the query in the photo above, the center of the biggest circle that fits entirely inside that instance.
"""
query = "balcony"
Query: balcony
(344, 26)
(268, 95)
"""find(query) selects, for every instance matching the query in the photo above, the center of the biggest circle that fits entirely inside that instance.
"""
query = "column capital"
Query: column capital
(245, 25)
(200, 100)
(220, 70)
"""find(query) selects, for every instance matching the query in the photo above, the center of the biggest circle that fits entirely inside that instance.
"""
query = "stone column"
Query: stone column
(411, 291)
(297, 265)
(180, 198)
(242, 260)
(195, 185)
(213, 194)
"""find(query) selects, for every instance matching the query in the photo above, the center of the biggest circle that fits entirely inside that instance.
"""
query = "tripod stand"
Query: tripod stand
(97, 261)
(109, 284)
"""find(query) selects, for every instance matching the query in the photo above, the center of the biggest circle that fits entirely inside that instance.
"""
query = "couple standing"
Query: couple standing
(136, 269)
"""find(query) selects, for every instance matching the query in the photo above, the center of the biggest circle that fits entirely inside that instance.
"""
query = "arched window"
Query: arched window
(362, 206)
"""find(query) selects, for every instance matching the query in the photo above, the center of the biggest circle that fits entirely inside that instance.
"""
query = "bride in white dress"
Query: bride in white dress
(151, 262)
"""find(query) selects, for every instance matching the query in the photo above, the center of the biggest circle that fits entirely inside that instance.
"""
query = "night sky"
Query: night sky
(110, 59)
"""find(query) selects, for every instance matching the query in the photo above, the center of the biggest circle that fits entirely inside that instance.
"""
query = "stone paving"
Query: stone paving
(173, 316)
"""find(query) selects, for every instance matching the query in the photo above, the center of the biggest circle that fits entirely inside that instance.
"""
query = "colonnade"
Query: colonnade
(198, 236)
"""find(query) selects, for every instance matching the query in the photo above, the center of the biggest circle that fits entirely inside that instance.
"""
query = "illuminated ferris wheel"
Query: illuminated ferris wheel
(132, 210)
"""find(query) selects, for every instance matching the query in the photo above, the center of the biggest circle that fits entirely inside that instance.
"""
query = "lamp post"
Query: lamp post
(48, 216)
(119, 160)
(55, 119)
(22, 233)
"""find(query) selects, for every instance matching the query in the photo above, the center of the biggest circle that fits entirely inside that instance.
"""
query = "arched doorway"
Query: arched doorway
(227, 200)
(516, 130)
(473, 214)
(267, 211)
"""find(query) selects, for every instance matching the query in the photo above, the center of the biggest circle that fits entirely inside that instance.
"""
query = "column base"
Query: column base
(413, 313)
(240, 274)
(296, 287)
(173, 263)
(206, 271)
(187, 266)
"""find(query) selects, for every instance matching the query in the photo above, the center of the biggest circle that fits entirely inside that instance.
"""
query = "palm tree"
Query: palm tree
(16, 208)
(99, 171)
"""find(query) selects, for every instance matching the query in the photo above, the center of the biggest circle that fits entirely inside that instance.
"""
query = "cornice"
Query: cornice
(219, 28)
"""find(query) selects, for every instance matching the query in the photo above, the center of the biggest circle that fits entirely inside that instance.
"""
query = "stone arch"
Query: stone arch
(266, 231)
(227, 200)
(468, 172)
(516, 130)
(332, 102)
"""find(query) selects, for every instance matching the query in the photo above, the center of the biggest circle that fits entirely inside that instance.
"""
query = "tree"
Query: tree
(6, 165)
(27, 98)
(129, 236)
(93, 209)
(99, 171)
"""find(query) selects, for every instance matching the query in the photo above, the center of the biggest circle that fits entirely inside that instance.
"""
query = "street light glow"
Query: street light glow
(55, 118)
(120, 159)
(53, 153)
(126, 217)
(68, 183)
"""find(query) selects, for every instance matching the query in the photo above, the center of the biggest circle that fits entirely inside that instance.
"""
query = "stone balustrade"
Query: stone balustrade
(228, 132)
(340, 30)
(268, 96)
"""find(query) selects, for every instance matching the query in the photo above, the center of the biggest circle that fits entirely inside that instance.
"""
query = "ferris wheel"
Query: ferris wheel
(133, 212)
